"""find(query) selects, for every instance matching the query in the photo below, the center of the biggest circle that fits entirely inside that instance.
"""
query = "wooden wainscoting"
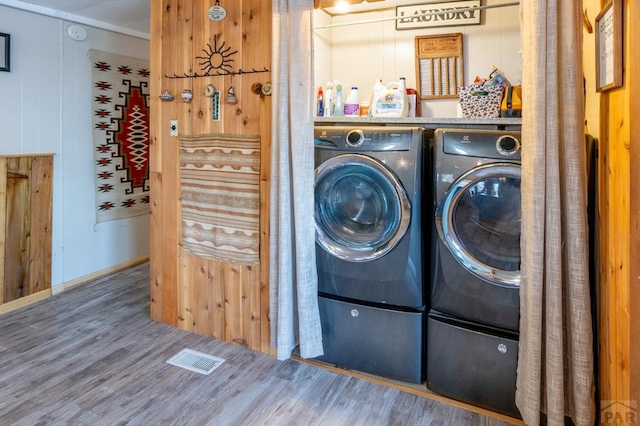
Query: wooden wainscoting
(25, 221)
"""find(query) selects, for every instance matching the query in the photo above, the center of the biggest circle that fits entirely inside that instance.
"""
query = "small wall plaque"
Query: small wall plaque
(217, 13)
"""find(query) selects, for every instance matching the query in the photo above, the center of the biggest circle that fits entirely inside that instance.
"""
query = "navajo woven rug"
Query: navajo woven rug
(120, 95)
(220, 190)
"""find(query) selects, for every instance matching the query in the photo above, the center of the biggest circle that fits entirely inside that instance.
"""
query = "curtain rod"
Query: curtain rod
(467, 9)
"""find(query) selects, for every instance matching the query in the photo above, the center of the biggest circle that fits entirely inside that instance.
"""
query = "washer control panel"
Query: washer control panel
(374, 138)
(495, 144)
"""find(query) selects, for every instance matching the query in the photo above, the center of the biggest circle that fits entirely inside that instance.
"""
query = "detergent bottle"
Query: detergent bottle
(378, 87)
(352, 104)
(338, 105)
(328, 101)
(392, 101)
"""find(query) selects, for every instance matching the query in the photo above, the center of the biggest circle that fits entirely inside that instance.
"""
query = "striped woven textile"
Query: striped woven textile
(220, 189)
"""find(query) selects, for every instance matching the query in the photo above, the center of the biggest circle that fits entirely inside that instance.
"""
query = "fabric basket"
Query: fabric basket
(480, 101)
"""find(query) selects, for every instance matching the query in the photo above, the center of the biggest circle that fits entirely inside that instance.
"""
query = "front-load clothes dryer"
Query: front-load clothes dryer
(476, 242)
(472, 329)
(370, 247)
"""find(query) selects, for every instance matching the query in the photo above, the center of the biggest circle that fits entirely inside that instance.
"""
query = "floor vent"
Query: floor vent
(195, 361)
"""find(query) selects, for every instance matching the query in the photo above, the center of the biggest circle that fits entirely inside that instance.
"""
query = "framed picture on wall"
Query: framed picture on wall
(5, 44)
(609, 46)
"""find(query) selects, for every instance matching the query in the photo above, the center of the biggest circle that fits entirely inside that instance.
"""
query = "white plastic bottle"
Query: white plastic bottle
(392, 101)
(378, 87)
(328, 100)
(338, 110)
(352, 104)
(405, 97)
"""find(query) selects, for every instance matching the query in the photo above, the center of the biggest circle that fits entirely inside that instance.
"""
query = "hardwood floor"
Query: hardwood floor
(92, 356)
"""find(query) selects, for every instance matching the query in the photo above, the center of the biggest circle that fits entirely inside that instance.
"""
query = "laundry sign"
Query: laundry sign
(445, 14)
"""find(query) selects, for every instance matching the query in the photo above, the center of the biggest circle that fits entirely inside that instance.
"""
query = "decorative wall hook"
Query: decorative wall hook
(586, 22)
(216, 74)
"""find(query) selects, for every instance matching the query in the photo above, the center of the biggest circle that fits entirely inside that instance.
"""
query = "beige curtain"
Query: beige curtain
(293, 281)
(555, 359)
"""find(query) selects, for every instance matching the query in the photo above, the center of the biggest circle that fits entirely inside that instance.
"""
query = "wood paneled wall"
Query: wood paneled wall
(633, 70)
(619, 233)
(25, 225)
(218, 299)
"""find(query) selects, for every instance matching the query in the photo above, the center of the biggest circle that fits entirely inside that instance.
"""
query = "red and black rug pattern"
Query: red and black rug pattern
(121, 135)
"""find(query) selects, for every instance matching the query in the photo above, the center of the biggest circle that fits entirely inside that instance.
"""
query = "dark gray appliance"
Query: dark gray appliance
(370, 247)
(474, 306)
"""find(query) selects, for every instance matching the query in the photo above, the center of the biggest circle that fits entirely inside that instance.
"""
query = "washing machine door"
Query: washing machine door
(361, 209)
(478, 219)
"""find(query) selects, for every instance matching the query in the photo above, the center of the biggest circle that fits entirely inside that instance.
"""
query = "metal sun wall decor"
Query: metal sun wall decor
(217, 61)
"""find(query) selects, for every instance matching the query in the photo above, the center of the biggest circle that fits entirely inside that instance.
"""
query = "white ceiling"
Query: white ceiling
(131, 16)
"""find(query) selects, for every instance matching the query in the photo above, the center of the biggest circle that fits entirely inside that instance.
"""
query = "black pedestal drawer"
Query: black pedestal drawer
(472, 364)
(383, 342)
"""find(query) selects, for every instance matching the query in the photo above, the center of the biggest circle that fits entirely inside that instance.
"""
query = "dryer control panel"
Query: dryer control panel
(495, 144)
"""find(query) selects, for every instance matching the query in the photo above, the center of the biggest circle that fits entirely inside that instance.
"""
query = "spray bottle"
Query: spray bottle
(320, 103)
(338, 107)
(328, 100)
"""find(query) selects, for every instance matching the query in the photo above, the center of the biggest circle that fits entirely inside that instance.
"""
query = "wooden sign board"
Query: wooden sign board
(439, 65)
(431, 15)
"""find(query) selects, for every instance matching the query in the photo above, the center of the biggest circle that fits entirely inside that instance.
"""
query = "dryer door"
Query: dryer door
(478, 219)
(361, 209)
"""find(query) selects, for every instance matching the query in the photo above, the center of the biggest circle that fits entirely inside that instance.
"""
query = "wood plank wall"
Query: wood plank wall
(619, 211)
(633, 70)
(217, 299)
(25, 224)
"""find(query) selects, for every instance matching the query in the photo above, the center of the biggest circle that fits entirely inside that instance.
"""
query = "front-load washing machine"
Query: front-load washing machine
(370, 247)
(474, 305)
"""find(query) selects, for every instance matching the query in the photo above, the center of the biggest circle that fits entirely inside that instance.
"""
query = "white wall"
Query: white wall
(360, 54)
(45, 106)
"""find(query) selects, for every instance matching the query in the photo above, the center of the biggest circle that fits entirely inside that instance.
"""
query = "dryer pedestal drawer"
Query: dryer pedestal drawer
(471, 366)
(379, 341)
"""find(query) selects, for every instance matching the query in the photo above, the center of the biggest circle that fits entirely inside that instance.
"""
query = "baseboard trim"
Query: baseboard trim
(24, 301)
(45, 294)
(57, 289)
